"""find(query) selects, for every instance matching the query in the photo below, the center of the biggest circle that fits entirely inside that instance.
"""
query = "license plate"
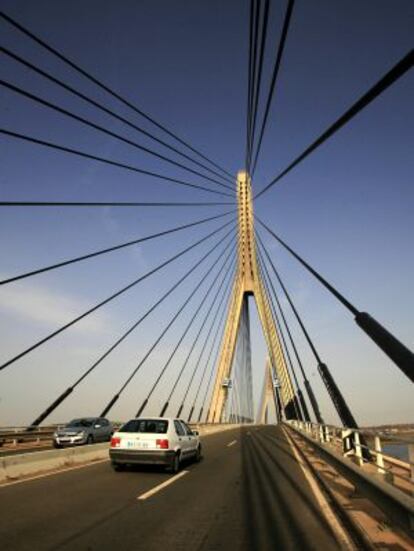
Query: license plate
(137, 444)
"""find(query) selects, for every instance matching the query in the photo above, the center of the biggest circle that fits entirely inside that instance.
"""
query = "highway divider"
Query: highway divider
(17, 466)
(205, 429)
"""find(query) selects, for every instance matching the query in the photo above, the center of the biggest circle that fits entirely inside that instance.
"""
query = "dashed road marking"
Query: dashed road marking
(231, 443)
(156, 489)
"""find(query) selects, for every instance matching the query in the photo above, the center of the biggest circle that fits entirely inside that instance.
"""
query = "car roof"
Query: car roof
(149, 417)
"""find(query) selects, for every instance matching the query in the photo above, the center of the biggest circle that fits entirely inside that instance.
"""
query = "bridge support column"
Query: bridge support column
(269, 395)
(247, 283)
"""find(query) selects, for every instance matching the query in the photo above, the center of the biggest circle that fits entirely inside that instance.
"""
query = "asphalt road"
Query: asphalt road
(248, 493)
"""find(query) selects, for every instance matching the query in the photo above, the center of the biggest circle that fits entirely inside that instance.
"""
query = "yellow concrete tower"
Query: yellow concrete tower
(247, 282)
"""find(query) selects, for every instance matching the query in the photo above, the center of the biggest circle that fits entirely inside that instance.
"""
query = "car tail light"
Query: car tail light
(162, 444)
(115, 442)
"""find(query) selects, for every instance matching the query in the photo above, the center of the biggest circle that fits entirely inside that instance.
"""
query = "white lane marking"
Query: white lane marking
(161, 486)
(20, 481)
(343, 538)
(231, 443)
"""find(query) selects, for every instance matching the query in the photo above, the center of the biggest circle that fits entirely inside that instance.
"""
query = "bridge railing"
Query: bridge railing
(18, 436)
(358, 456)
(25, 437)
(365, 449)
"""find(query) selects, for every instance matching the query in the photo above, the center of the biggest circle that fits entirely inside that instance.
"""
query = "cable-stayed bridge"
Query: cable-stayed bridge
(195, 362)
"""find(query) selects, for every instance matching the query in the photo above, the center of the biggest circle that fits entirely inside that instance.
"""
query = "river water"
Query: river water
(400, 451)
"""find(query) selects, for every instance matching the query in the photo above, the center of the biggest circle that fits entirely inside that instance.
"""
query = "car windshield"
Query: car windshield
(154, 426)
(80, 423)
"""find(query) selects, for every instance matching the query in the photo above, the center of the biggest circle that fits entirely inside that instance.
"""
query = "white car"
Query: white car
(156, 441)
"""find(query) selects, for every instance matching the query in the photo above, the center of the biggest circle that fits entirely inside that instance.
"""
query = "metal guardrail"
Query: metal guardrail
(14, 436)
(386, 481)
(365, 449)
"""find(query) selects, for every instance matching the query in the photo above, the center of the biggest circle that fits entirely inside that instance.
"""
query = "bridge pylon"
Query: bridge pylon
(269, 395)
(248, 282)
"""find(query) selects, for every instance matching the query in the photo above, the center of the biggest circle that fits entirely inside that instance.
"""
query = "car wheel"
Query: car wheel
(89, 439)
(198, 455)
(175, 464)
(56, 445)
(118, 467)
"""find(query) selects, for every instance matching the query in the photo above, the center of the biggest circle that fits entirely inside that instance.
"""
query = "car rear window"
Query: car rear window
(81, 423)
(154, 426)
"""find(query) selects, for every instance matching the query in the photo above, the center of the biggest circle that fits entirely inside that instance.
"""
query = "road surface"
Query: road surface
(248, 493)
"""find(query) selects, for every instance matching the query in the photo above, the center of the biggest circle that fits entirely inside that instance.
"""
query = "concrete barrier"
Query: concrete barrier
(29, 464)
(17, 466)
(205, 429)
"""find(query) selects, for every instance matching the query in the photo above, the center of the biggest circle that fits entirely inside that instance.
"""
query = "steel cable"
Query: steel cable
(249, 81)
(309, 390)
(220, 327)
(399, 69)
(111, 162)
(222, 304)
(185, 363)
(322, 280)
(109, 299)
(109, 249)
(255, 11)
(132, 328)
(335, 394)
(104, 130)
(103, 86)
(273, 81)
(107, 204)
(185, 332)
(110, 112)
(161, 336)
(197, 363)
(259, 78)
(266, 278)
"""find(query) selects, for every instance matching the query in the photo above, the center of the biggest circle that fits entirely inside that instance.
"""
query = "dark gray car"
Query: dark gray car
(85, 430)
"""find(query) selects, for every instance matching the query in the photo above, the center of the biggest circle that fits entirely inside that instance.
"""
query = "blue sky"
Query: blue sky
(347, 209)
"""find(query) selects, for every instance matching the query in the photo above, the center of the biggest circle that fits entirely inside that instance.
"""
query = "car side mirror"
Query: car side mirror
(195, 432)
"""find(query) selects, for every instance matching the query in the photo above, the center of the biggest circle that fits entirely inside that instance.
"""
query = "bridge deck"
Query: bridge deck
(250, 495)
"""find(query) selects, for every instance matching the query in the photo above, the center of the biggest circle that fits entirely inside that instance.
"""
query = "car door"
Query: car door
(106, 429)
(99, 430)
(192, 440)
(182, 437)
